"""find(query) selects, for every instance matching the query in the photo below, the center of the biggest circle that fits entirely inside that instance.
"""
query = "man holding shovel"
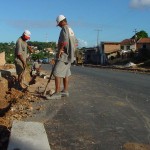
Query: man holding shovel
(64, 58)
(21, 56)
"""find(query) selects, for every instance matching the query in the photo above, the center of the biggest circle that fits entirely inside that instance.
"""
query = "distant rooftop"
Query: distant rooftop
(127, 42)
(144, 40)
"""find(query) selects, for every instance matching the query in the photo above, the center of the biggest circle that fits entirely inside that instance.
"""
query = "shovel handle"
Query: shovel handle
(49, 78)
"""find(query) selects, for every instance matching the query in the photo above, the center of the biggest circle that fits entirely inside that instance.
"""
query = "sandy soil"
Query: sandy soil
(136, 146)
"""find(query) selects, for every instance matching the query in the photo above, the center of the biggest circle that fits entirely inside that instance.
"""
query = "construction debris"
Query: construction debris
(15, 104)
(130, 64)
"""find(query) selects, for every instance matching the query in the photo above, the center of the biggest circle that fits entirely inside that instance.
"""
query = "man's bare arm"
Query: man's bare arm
(30, 49)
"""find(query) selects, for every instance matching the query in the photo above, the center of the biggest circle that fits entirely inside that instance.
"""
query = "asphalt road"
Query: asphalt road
(106, 110)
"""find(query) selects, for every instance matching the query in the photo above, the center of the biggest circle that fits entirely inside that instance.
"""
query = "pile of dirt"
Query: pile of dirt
(17, 105)
(3, 87)
(7, 66)
(136, 146)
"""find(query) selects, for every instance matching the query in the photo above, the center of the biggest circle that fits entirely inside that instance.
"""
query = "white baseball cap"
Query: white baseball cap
(27, 33)
(60, 18)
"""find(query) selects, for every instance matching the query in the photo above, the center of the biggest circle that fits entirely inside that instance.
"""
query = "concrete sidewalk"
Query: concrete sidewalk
(28, 136)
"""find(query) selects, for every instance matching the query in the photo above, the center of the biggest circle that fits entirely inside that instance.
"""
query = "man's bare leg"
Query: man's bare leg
(57, 84)
(66, 82)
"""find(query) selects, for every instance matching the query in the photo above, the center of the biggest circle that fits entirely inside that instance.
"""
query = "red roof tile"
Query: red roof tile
(127, 42)
(144, 40)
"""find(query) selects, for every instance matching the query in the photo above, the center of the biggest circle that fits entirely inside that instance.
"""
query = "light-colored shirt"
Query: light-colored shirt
(21, 49)
(67, 37)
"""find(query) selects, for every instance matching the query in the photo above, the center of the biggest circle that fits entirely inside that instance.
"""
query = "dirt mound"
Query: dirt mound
(18, 105)
(136, 146)
(3, 88)
(14, 105)
(7, 66)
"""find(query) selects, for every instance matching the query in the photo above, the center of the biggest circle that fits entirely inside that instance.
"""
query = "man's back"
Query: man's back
(21, 48)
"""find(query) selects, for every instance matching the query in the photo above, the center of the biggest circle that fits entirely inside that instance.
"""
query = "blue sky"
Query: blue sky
(115, 19)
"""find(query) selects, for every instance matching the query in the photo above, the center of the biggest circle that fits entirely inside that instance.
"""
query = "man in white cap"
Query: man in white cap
(21, 56)
(65, 56)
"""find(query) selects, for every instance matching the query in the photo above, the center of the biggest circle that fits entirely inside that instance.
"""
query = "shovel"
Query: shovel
(44, 93)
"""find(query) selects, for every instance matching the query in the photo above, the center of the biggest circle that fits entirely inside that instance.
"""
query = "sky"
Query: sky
(91, 20)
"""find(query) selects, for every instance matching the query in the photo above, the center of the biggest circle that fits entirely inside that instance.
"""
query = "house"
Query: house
(128, 45)
(143, 46)
(127, 48)
(143, 43)
(108, 51)
(111, 49)
(50, 50)
(100, 55)
(95, 55)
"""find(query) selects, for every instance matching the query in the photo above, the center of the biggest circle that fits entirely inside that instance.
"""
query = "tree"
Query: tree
(140, 34)
(42, 45)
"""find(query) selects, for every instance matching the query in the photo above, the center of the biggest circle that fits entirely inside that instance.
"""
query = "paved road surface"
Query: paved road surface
(106, 110)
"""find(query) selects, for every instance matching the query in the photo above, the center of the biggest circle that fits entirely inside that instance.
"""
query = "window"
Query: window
(128, 47)
(122, 47)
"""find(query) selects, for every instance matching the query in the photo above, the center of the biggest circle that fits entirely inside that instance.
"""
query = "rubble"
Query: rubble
(15, 104)
(7, 66)
(20, 106)
(136, 146)
(130, 64)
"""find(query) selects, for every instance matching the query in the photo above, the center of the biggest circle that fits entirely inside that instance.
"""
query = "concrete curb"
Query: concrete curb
(141, 70)
(28, 136)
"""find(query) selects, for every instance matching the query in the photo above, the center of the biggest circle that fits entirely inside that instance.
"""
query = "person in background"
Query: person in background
(21, 56)
(64, 58)
(35, 71)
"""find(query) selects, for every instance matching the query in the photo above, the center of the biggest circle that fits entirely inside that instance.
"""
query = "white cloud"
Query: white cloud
(82, 43)
(140, 3)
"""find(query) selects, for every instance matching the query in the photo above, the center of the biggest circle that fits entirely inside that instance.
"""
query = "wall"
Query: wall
(141, 46)
(108, 48)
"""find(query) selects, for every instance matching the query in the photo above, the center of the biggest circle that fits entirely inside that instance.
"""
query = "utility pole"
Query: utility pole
(135, 38)
(135, 31)
(98, 30)
(97, 50)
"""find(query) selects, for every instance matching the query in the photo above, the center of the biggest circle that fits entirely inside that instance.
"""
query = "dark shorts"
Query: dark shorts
(62, 69)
